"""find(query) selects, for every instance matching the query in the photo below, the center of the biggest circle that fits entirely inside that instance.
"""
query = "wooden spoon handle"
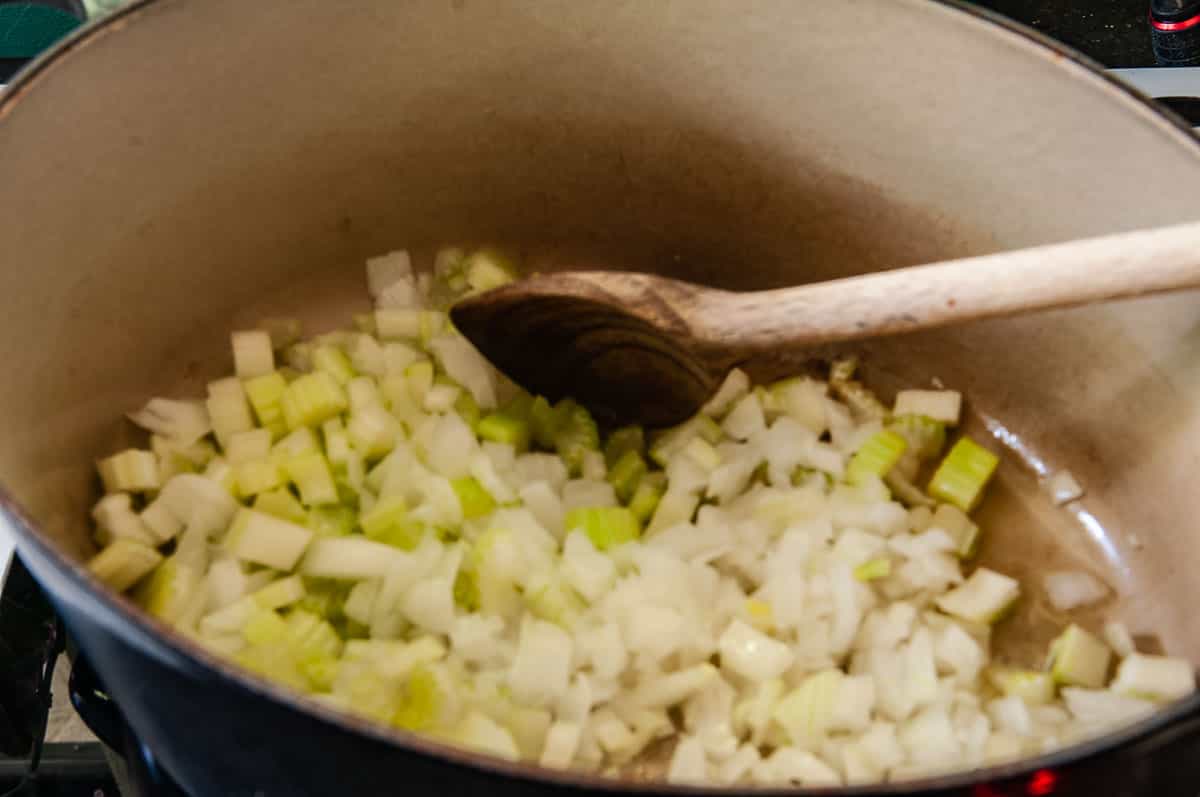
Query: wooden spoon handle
(990, 286)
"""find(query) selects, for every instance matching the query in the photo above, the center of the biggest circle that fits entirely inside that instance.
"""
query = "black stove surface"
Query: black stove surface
(1114, 32)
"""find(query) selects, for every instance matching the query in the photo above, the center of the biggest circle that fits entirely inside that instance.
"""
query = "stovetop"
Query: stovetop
(1112, 32)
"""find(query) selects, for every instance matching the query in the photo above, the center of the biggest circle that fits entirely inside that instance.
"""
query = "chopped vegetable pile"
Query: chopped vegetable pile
(780, 586)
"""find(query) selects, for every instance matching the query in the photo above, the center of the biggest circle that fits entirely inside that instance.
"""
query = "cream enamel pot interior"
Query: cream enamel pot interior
(190, 165)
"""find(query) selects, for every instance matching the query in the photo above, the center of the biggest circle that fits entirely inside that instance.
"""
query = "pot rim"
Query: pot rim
(163, 642)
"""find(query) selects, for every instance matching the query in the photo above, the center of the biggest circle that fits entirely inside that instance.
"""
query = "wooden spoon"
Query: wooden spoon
(640, 348)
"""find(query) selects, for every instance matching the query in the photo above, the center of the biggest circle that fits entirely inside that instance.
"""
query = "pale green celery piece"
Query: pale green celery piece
(334, 362)
(669, 442)
(280, 593)
(959, 526)
(166, 592)
(420, 701)
(123, 563)
(645, 498)
(577, 434)
(298, 443)
(332, 521)
(313, 478)
(265, 627)
(254, 478)
(552, 599)
(282, 504)
(985, 597)
(266, 399)
(489, 268)
(466, 589)
(466, 406)
(622, 441)
(388, 522)
(1078, 658)
(266, 540)
(132, 470)
(1035, 688)
(475, 501)
(962, 475)
(606, 526)
(876, 457)
(926, 437)
(313, 399)
(874, 569)
(420, 378)
(626, 474)
(501, 427)
(544, 422)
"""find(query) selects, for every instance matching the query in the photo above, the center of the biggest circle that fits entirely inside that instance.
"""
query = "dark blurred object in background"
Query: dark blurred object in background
(29, 26)
(1175, 28)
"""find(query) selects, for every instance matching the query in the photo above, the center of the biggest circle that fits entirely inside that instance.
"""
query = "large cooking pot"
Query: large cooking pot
(190, 165)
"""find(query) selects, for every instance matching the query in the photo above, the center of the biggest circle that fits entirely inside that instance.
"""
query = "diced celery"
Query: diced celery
(123, 563)
(388, 522)
(467, 408)
(626, 474)
(334, 362)
(313, 478)
(332, 521)
(702, 453)
(420, 702)
(337, 442)
(645, 498)
(674, 507)
(1035, 688)
(279, 593)
(281, 504)
(419, 376)
(958, 525)
(606, 526)
(266, 397)
(984, 598)
(265, 627)
(168, 590)
(298, 443)
(501, 427)
(466, 590)
(876, 457)
(873, 569)
(312, 399)
(669, 442)
(551, 598)
(363, 392)
(544, 422)
(1078, 658)
(257, 477)
(489, 268)
(132, 470)
(937, 405)
(622, 441)
(373, 431)
(963, 474)
(577, 434)
(266, 540)
(475, 501)
(248, 446)
(252, 353)
(926, 437)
